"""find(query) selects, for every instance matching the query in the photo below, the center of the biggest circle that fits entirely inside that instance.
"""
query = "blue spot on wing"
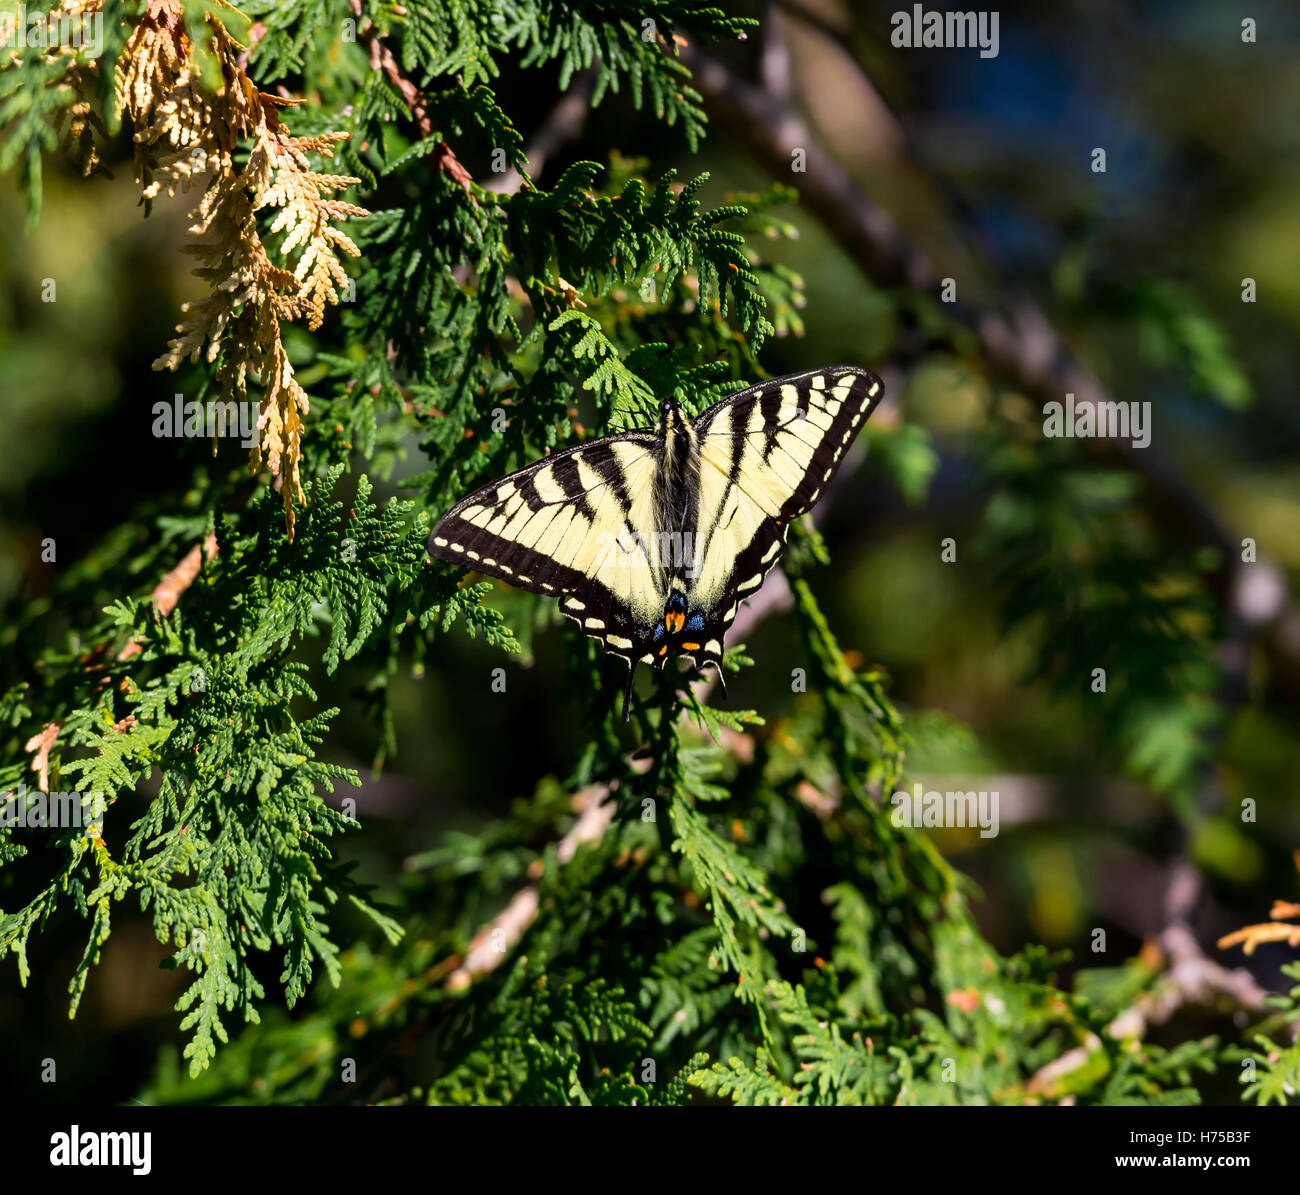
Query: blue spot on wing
(658, 631)
(695, 622)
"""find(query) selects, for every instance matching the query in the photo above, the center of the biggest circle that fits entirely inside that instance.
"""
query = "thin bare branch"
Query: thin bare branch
(381, 59)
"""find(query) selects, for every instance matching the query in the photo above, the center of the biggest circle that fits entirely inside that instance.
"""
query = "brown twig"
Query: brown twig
(41, 744)
(165, 596)
(381, 59)
(168, 591)
(491, 944)
(774, 58)
(1190, 978)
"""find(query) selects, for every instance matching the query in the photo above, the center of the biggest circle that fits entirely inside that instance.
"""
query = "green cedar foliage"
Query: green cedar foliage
(1271, 1071)
(726, 937)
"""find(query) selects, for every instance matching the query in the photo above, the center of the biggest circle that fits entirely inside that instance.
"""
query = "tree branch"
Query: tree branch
(381, 59)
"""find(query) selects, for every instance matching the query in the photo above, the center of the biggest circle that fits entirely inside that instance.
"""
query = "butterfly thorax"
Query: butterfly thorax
(676, 483)
(681, 447)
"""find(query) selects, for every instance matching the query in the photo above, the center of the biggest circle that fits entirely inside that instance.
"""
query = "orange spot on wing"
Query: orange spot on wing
(690, 647)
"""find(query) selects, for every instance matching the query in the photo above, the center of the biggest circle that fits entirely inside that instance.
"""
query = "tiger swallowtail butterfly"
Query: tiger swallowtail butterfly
(651, 539)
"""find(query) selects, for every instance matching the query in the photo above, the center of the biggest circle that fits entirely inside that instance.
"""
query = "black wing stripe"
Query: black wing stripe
(770, 405)
(566, 474)
(739, 439)
(474, 548)
(602, 459)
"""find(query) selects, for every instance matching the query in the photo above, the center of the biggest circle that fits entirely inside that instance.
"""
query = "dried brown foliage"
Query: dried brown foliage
(186, 136)
(1283, 926)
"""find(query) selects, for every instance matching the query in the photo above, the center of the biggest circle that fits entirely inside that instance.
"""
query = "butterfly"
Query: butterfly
(651, 539)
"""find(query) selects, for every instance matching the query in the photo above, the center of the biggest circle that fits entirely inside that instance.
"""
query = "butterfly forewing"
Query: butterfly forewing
(781, 441)
(564, 527)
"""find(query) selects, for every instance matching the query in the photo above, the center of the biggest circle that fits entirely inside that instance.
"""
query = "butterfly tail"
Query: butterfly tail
(627, 692)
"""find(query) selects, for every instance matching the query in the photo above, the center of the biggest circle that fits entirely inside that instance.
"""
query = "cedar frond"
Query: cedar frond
(187, 136)
(153, 60)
